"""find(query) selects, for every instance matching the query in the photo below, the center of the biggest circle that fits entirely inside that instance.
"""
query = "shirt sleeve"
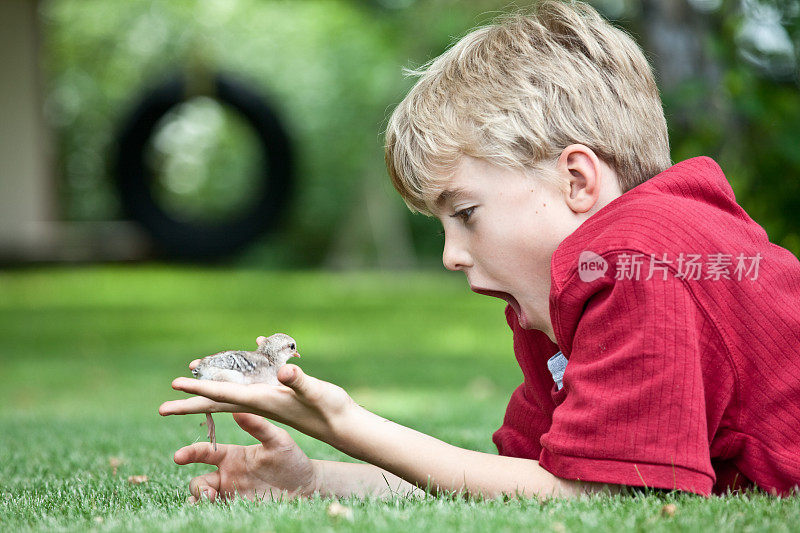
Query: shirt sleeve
(632, 409)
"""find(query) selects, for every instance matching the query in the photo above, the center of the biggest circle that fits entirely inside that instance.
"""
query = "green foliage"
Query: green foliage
(207, 162)
(747, 120)
(88, 355)
(333, 71)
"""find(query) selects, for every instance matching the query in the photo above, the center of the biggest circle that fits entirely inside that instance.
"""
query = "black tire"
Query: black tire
(198, 240)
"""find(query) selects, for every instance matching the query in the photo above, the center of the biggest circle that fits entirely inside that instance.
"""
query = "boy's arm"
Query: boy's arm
(427, 462)
(335, 478)
(325, 411)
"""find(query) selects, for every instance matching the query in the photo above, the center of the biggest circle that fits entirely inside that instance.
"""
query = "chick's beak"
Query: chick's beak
(295, 354)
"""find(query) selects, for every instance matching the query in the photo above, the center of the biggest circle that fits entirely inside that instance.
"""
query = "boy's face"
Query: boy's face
(501, 228)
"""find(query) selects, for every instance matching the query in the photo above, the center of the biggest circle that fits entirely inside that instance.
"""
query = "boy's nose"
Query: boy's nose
(455, 257)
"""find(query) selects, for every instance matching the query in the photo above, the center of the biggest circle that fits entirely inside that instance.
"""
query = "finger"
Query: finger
(259, 427)
(220, 391)
(292, 376)
(261, 340)
(205, 486)
(195, 405)
(201, 452)
(194, 364)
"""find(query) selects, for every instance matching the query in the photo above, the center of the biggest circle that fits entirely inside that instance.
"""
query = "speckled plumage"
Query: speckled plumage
(240, 366)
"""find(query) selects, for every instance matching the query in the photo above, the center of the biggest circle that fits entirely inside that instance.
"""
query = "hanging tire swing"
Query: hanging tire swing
(199, 239)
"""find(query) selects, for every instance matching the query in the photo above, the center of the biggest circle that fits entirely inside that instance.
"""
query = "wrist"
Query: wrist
(344, 426)
(317, 485)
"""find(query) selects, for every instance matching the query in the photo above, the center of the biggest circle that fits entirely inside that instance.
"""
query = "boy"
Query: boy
(656, 326)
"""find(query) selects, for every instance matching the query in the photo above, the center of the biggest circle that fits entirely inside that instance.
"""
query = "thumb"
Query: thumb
(260, 428)
(293, 377)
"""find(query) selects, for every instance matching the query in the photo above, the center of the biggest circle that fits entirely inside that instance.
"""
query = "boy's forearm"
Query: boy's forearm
(337, 478)
(425, 461)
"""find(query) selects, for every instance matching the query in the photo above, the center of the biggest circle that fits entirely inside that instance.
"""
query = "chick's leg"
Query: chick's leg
(212, 436)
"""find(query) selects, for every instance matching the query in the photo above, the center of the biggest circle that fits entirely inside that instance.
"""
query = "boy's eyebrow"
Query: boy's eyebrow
(449, 194)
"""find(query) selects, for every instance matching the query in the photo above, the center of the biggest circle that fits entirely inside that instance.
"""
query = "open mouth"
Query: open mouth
(510, 300)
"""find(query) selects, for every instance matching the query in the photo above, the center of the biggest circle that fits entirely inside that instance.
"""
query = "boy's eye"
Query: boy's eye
(464, 214)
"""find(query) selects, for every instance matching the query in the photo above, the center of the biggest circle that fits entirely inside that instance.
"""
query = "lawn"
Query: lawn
(87, 355)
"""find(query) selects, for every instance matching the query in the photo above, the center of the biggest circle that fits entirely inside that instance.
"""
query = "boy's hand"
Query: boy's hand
(258, 471)
(307, 404)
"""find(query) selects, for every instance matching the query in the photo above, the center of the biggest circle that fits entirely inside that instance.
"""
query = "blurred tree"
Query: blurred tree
(739, 102)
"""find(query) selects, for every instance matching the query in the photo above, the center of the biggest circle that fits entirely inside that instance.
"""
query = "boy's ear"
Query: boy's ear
(582, 169)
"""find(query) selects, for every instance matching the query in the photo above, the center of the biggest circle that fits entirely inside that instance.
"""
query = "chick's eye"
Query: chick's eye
(291, 346)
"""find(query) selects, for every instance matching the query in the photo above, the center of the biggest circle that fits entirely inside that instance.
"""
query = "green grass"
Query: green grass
(87, 355)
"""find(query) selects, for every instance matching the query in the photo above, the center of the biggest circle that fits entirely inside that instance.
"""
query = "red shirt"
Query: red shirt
(688, 380)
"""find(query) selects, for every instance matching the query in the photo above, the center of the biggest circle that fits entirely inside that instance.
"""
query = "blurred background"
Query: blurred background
(249, 131)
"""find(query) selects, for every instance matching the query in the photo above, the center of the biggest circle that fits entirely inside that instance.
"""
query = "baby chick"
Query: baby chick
(239, 366)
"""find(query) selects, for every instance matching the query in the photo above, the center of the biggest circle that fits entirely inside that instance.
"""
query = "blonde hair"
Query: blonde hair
(517, 92)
